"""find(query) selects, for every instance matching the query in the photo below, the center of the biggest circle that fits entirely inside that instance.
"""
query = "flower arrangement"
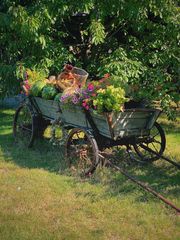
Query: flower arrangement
(99, 96)
(81, 96)
(105, 95)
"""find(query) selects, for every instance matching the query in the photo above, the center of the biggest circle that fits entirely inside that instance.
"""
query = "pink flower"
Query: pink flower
(26, 84)
(84, 104)
(90, 87)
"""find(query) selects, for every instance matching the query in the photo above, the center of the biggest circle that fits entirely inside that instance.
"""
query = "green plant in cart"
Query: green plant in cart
(110, 99)
(36, 89)
(35, 75)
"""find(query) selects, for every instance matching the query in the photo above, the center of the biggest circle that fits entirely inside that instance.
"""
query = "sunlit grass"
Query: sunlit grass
(172, 130)
(36, 202)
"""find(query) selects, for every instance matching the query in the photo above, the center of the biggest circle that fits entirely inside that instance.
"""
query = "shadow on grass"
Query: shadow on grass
(162, 176)
(41, 155)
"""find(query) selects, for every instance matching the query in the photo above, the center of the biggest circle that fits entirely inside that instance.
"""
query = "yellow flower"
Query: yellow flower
(101, 90)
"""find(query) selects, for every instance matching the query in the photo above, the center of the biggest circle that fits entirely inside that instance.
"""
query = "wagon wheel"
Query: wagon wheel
(24, 126)
(81, 152)
(153, 146)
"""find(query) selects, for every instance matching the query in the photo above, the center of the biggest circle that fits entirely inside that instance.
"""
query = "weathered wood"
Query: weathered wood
(136, 122)
(74, 116)
(48, 108)
(114, 125)
(132, 122)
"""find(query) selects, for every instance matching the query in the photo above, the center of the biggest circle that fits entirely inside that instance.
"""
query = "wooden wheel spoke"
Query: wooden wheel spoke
(156, 141)
(155, 135)
(25, 128)
(155, 147)
(85, 156)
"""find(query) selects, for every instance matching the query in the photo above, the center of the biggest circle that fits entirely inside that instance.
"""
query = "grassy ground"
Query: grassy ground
(38, 203)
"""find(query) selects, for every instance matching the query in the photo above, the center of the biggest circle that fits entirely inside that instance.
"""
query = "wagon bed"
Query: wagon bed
(131, 122)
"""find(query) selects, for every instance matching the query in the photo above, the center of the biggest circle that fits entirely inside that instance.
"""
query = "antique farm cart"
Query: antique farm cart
(89, 133)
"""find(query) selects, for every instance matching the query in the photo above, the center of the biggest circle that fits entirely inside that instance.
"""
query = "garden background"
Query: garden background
(137, 43)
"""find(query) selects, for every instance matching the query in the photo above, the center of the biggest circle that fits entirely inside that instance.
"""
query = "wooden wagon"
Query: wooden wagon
(90, 133)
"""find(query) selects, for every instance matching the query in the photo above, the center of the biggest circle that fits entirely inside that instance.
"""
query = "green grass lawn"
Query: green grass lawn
(36, 202)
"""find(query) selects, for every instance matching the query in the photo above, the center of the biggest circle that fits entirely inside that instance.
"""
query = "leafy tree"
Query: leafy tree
(135, 41)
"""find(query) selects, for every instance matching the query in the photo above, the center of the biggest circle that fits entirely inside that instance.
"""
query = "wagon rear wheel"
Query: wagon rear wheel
(81, 152)
(23, 126)
(153, 146)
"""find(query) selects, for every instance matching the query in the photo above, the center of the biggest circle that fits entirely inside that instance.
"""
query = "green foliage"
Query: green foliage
(109, 99)
(8, 82)
(97, 32)
(34, 76)
(135, 41)
(37, 88)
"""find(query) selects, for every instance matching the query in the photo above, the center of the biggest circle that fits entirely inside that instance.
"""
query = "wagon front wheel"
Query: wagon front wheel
(23, 126)
(153, 146)
(81, 152)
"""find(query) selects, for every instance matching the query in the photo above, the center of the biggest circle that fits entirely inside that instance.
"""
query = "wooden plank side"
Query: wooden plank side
(74, 116)
(134, 122)
(48, 108)
(102, 125)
